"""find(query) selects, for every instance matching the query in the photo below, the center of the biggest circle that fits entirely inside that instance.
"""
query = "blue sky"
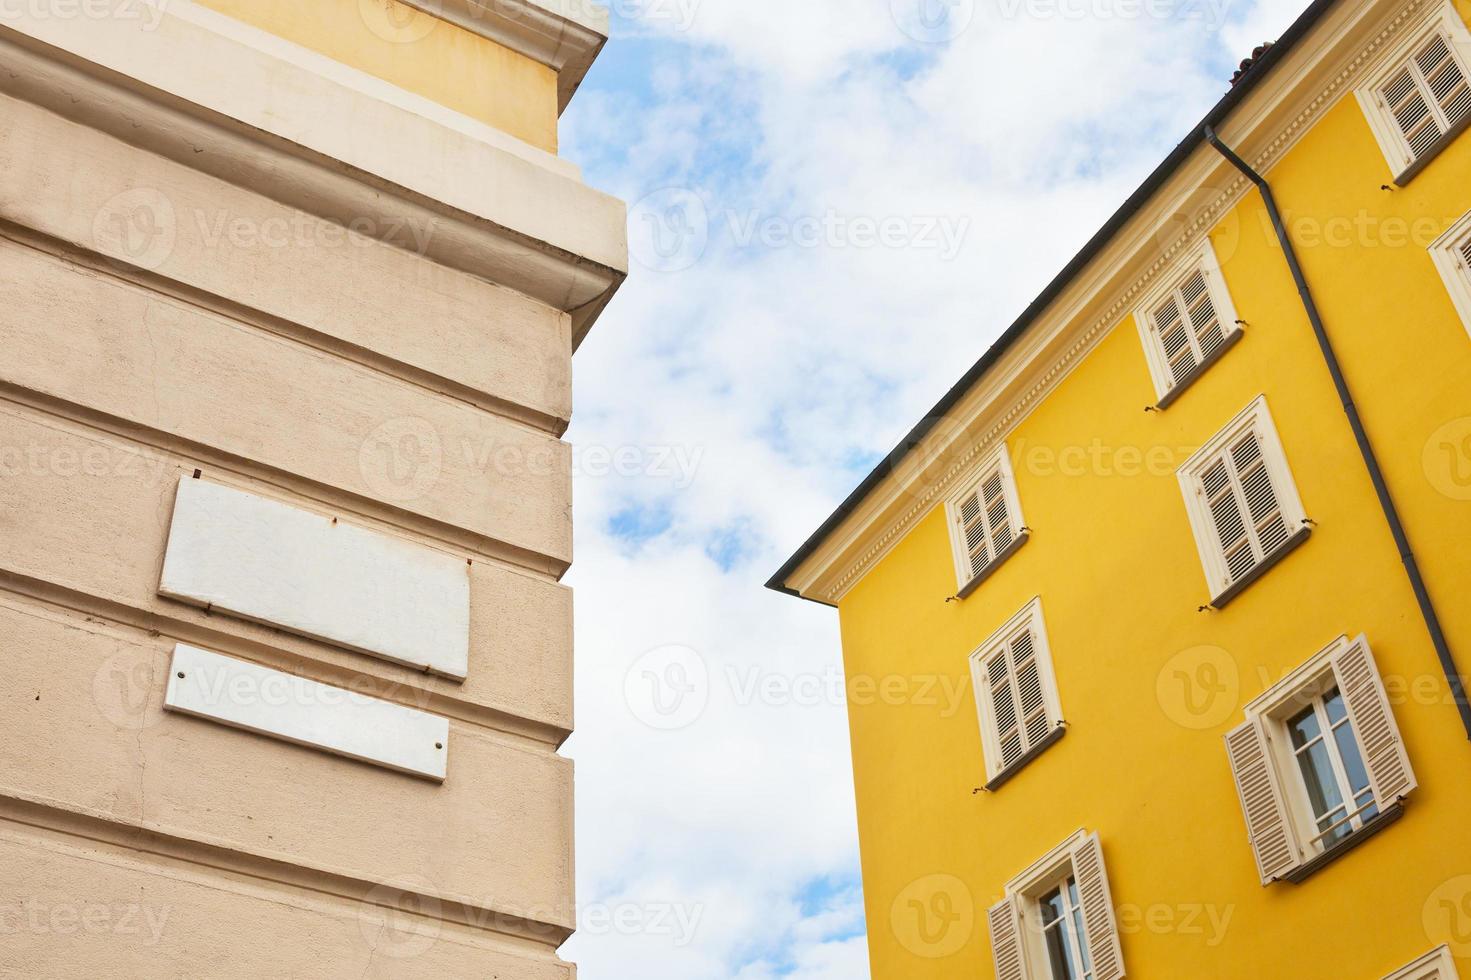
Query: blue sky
(835, 208)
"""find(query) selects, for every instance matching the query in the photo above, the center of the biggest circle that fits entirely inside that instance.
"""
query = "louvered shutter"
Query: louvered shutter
(1099, 921)
(1188, 328)
(1447, 80)
(1429, 97)
(1466, 253)
(1261, 496)
(1411, 112)
(973, 533)
(985, 521)
(1169, 326)
(1006, 941)
(1384, 753)
(1261, 801)
(1245, 506)
(1018, 699)
(997, 516)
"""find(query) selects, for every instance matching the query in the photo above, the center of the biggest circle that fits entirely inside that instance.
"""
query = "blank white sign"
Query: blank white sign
(263, 560)
(305, 712)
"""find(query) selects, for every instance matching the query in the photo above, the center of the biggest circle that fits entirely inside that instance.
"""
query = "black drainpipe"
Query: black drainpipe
(1391, 513)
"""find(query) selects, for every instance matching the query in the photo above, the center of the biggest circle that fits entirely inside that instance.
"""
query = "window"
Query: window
(1186, 324)
(1242, 502)
(1016, 695)
(985, 522)
(1421, 98)
(1063, 933)
(1435, 965)
(1057, 920)
(1452, 255)
(1326, 750)
(1319, 763)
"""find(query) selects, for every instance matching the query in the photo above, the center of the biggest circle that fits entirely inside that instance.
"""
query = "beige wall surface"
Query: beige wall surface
(232, 282)
(122, 912)
(87, 512)
(282, 268)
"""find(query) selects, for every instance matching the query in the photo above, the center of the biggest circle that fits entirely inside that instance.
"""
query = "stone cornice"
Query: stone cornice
(1268, 125)
(222, 98)
(565, 35)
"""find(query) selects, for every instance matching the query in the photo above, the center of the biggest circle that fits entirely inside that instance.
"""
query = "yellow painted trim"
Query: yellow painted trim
(421, 54)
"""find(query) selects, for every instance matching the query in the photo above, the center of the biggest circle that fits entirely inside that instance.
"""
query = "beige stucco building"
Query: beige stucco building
(289, 294)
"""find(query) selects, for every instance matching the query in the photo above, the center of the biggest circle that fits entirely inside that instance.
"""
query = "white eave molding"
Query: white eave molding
(564, 35)
(230, 100)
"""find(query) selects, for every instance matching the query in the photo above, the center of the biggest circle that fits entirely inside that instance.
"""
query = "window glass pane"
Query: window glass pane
(1317, 775)
(1052, 908)
(1304, 728)
(1059, 954)
(1353, 760)
(1082, 938)
(1333, 701)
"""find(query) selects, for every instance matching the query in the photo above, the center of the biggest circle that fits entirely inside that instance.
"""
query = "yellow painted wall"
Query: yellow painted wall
(1115, 562)
(420, 53)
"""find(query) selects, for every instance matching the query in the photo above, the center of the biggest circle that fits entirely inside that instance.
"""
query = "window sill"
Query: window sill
(985, 573)
(1439, 146)
(1263, 567)
(1005, 776)
(1371, 829)
(1171, 396)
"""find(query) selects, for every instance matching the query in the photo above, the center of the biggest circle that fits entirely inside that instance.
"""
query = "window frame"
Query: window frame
(1270, 711)
(1201, 259)
(967, 580)
(1308, 691)
(1256, 417)
(1440, 19)
(1023, 895)
(1029, 618)
(1449, 254)
(1438, 964)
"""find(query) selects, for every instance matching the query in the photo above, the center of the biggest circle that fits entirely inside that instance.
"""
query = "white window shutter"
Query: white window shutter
(1411, 112)
(1429, 97)
(1384, 753)
(1466, 253)
(1006, 941)
(1446, 79)
(1261, 801)
(1099, 921)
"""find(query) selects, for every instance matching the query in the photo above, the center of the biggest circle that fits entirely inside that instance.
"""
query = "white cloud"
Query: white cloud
(785, 369)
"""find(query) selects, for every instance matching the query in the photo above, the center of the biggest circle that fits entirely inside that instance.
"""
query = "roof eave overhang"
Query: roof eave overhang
(913, 460)
(564, 35)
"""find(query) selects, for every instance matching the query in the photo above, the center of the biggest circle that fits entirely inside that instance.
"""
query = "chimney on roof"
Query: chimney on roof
(1250, 63)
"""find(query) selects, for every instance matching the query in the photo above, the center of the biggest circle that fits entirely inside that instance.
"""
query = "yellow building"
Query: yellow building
(1151, 625)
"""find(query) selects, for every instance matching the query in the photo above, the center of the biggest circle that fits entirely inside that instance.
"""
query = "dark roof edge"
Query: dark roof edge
(1136, 202)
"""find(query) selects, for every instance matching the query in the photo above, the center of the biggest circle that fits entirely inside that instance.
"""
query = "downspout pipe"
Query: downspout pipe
(1366, 449)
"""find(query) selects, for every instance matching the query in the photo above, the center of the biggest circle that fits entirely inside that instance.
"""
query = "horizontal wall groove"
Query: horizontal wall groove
(354, 506)
(91, 262)
(514, 730)
(524, 933)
